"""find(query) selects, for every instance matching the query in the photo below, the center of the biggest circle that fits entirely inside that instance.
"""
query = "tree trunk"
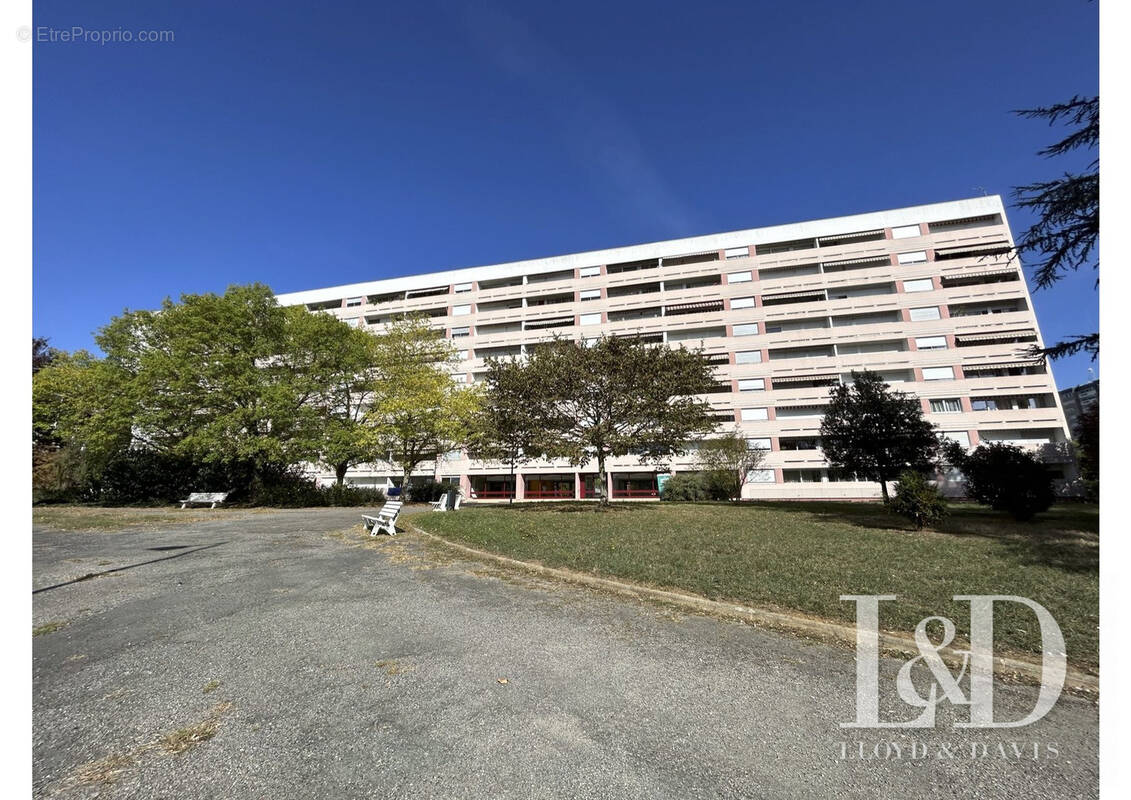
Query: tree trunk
(884, 489)
(340, 472)
(404, 484)
(602, 482)
(510, 500)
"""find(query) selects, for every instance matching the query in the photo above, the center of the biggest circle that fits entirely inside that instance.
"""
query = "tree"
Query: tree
(1088, 445)
(876, 433)
(508, 427)
(336, 368)
(728, 460)
(82, 405)
(1005, 478)
(42, 354)
(619, 395)
(224, 379)
(918, 500)
(417, 411)
(1068, 208)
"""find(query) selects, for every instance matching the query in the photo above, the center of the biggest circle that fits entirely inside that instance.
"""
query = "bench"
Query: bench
(449, 501)
(386, 519)
(215, 498)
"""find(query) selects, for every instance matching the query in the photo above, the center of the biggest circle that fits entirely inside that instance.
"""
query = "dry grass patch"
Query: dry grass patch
(394, 667)
(108, 520)
(47, 627)
(106, 771)
(183, 738)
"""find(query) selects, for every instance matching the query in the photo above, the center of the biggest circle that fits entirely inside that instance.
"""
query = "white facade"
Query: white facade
(929, 296)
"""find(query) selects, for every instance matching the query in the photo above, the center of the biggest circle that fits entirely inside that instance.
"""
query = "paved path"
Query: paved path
(357, 668)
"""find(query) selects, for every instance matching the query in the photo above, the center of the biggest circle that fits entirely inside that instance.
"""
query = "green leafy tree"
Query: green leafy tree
(618, 396)
(417, 411)
(1005, 478)
(876, 433)
(728, 459)
(82, 411)
(222, 379)
(42, 354)
(335, 368)
(1067, 230)
(508, 426)
(918, 500)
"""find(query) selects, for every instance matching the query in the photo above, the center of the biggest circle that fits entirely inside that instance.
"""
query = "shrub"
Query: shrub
(298, 491)
(148, 477)
(694, 486)
(429, 491)
(918, 500)
(1005, 478)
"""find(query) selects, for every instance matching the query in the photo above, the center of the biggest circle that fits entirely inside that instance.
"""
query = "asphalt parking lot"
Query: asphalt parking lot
(286, 655)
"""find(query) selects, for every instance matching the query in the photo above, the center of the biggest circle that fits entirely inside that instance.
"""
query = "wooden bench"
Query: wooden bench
(215, 498)
(386, 519)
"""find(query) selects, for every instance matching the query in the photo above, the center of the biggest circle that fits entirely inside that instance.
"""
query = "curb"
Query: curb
(1005, 667)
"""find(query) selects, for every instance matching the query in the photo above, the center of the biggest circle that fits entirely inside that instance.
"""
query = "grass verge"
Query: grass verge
(801, 557)
(107, 520)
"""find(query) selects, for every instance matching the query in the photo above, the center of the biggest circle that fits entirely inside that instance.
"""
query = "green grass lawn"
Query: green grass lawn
(803, 556)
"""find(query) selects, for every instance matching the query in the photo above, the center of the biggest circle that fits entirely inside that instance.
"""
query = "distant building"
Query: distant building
(1078, 399)
(931, 297)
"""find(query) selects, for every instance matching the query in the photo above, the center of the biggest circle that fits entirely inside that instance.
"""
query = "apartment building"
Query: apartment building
(1076, 400)
(930, 297)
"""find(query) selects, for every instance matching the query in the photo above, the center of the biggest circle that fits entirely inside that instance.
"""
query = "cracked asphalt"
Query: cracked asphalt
(359, 668)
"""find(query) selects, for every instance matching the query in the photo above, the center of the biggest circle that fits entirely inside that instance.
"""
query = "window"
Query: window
(749, 414)
(462, 355)
(774, 328)
(752, 385)
(589, 272)
(459, 377)
(760, 476)
(930, 343)
(461, 311)
(591, 319)
(920, 285)
(938, 373)
(750, 329)
(737, 252)
(458, 332)
(962, 437)
(589, 294)
(351, 302)
(946, 405)
(905, 232)
(353, 322)
(740, 277)
(748, 357)
(924, 314)
(461, 287)
(742, 302)
(917, 257)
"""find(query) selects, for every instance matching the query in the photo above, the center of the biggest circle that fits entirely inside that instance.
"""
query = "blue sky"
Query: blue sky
(316, 144)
